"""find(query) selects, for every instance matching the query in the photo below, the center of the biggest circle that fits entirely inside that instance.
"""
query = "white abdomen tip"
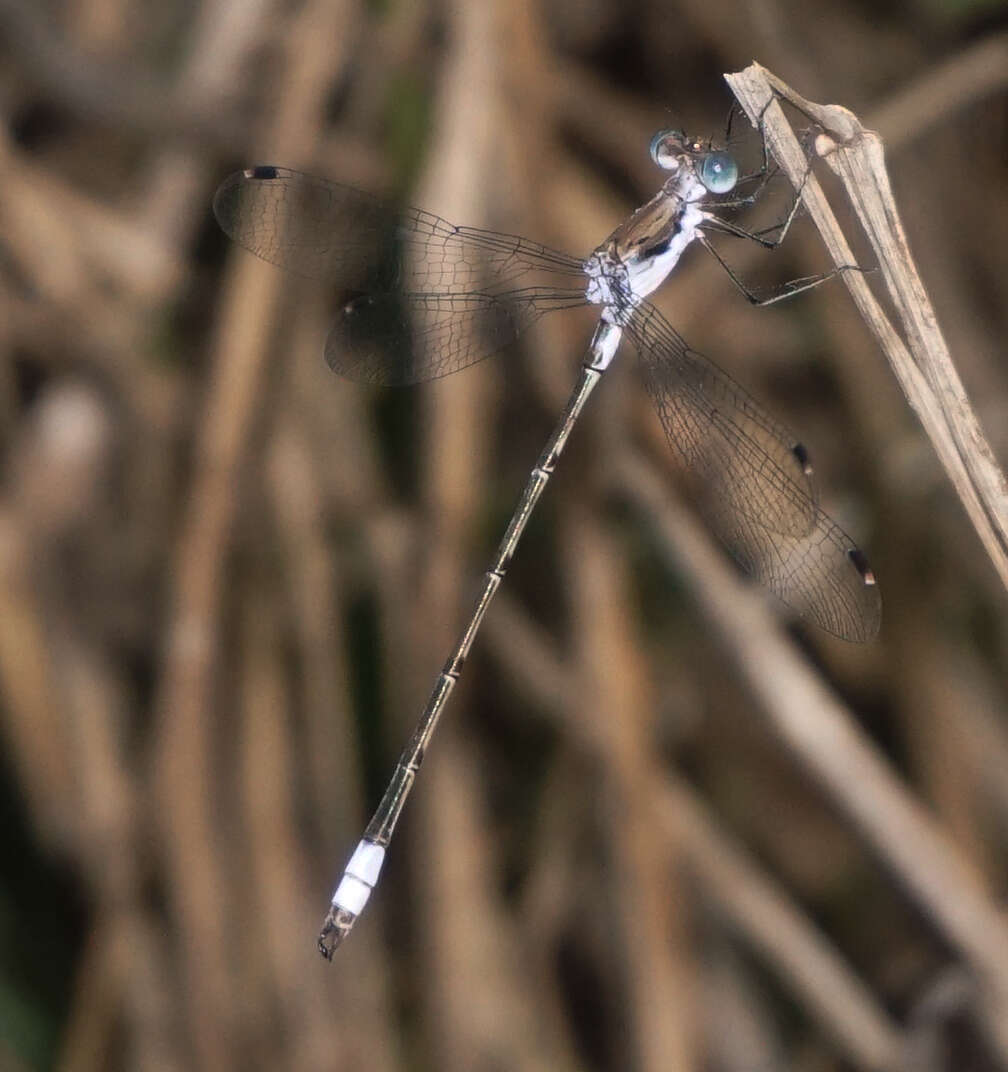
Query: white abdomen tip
(351, 895)
(366, 862)
(360, 877)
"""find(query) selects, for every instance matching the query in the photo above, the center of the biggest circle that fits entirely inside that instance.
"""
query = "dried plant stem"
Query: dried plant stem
(825, 739)
(184, 776)
(920, 358)
(756, 906)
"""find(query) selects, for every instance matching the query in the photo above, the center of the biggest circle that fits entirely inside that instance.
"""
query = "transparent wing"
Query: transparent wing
(821, 575)
(419, 297)
(737, 452)
(753, 484)
(395, 339)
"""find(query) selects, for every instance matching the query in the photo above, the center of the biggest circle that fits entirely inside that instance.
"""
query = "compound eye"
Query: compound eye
(718, 172)
(665, 148)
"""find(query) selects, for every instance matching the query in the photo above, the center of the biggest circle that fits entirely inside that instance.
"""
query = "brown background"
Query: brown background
(228, 578)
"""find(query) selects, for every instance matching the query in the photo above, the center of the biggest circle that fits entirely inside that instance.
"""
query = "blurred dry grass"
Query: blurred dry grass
(656, 831)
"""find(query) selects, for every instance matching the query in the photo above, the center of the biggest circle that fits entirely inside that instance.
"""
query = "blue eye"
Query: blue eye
(664, 145)
(718, 172)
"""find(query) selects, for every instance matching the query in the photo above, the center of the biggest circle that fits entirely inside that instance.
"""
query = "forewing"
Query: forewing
(471, 290)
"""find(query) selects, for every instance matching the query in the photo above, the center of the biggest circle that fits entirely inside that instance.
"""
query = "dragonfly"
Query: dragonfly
(421, 298)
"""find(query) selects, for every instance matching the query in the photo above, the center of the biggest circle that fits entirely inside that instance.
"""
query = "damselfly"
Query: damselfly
(423, 298)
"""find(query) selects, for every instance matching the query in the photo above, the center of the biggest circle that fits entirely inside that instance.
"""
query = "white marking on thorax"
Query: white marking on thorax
(618, 277)
(648, 273)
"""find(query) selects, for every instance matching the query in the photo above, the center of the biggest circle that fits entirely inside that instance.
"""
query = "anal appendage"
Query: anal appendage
(352, 893)
(337, 926)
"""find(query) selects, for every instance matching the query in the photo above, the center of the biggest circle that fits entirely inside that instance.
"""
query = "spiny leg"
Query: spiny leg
(779, 230)
(788, 290)
(772, 236)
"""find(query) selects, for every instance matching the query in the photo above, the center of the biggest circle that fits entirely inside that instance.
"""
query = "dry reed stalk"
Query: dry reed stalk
(755, 905)
(824, 738)
(185, 779)
(645, 928)
(919, 356)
